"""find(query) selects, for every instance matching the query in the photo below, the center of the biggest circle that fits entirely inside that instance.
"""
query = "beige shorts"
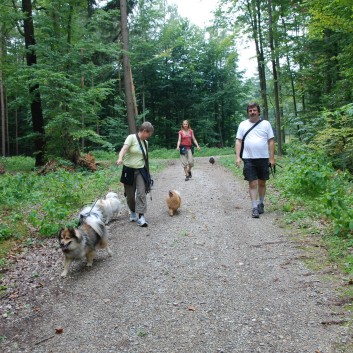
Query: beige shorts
(187, 159)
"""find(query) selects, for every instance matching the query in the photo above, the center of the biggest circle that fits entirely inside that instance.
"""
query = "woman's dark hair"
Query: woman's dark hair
(252, 105)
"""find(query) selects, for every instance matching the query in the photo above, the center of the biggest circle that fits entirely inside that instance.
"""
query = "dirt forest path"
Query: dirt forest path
(210, 279)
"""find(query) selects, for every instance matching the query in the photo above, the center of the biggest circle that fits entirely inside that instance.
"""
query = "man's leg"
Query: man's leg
(250, 174)
(253, 191)
(262, 192)
(262, 189)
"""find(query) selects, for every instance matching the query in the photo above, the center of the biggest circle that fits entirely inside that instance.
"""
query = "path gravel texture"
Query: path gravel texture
(210, 279)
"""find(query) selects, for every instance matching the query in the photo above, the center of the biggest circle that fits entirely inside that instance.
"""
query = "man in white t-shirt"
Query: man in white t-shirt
(257, 153)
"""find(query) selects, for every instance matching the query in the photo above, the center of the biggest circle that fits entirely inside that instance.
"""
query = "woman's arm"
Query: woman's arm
(178, 143)
(121, 154)
(195, 142)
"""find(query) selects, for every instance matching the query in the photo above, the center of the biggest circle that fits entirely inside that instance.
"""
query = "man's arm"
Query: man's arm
(271, 145)
(238, 143)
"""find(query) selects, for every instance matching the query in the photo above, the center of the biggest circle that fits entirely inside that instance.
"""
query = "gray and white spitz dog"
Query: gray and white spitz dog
(84, 240)
(110, 206)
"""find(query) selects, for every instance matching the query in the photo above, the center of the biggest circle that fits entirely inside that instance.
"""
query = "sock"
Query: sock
(262, 199)
(254, 204)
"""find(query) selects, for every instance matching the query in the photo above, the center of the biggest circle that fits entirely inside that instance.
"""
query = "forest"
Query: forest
(77, 76)
(64, 66)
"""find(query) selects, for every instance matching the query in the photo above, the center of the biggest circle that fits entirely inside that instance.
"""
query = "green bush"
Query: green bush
(16, 164)
(308, 172)
(47, 202)
(310, 176)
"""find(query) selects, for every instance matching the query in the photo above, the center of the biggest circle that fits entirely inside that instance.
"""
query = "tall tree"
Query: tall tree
(2, 102)
(253, 18)
(271, 25)
(129, 91)
(36, 103)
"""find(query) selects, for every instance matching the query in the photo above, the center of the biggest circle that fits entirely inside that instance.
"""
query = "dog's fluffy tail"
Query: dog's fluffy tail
(97, 224)
(111, 195)
(94, 218)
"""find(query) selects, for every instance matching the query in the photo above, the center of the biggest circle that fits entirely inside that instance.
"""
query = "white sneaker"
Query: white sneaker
(142, 222)
(133, 217)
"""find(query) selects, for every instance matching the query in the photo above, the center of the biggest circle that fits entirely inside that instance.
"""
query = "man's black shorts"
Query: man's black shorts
(256, 169)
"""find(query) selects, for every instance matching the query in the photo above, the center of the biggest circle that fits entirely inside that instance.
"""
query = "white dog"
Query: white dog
(109, 207)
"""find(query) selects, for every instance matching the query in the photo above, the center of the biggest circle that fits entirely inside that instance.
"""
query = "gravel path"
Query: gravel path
(210, 279)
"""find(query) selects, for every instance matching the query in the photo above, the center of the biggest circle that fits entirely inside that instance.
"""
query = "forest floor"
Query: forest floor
(210, 279)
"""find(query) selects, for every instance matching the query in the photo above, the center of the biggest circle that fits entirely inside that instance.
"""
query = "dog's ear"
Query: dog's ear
(75, 234)
(170, 193)
(72, 232)
(59, 232)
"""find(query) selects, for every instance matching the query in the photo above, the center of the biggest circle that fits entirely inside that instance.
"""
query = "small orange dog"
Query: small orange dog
(173, 202)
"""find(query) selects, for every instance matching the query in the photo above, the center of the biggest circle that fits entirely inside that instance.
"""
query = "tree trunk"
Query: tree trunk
(2, 107)
(275, 79)
(261, 60)
(254, 13)
(36, 105)
(16, 129)
(7, 124)
(291, 75)
(131, 117)
(82, 116)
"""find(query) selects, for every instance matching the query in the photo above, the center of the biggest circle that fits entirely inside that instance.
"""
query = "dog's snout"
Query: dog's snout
(64, 245)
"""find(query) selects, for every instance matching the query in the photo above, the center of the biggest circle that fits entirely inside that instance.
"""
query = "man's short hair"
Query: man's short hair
(253, 104)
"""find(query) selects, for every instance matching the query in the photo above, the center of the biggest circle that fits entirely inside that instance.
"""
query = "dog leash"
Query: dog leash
(87, 214)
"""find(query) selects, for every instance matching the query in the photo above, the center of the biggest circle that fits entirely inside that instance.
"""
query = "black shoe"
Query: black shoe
(187, 178)
(255, 213)
(261, 208)
(190, 175)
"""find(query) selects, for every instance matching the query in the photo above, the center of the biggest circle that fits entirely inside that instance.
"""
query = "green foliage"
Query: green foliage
(310, 177)
(181, 75)
(309, 173)
(18, 163)
(5, 232)
(46, 202)
(335, 15)
(103, 155)
(336, 134)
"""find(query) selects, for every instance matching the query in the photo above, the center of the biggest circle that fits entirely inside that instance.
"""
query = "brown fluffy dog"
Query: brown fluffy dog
(173, 202)
(83, 240)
